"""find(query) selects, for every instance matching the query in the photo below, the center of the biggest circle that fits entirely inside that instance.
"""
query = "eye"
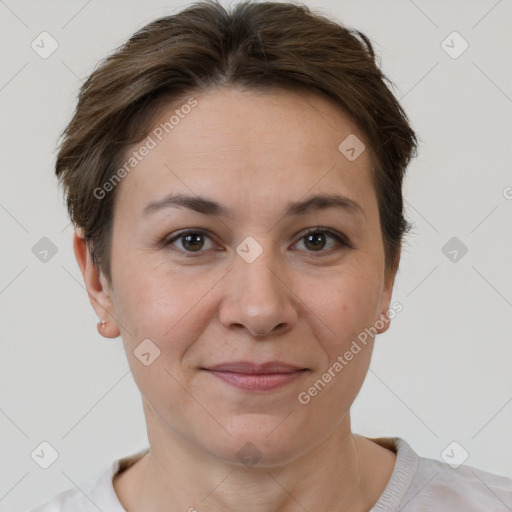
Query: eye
(315, 240)
(191, 241)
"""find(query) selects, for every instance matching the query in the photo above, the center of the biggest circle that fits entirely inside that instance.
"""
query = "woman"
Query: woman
(235, 180)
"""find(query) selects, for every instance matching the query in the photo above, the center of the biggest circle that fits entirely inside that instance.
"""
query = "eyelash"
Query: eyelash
(341, 240)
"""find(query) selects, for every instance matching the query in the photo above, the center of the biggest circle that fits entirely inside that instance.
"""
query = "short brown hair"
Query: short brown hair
(255, 45)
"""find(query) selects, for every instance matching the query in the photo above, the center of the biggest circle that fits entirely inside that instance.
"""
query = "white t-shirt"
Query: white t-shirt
(417, 484)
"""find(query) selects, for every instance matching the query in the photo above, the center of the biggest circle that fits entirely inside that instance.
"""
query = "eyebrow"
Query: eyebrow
(208, 206)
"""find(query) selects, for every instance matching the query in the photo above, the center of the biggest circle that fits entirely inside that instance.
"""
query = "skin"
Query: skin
(253, 152)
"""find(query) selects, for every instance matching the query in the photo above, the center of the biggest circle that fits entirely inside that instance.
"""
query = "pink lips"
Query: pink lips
(256, 377)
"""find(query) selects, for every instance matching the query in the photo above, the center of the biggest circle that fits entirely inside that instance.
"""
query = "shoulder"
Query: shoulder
(66, 501)
(95, 494)
(437, 486)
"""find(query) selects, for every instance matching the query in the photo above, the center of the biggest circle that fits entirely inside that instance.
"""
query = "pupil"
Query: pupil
(195, 238)
(317, 238)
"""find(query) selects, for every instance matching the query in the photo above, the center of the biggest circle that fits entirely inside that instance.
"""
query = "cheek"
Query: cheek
(348, 311)
(171, 309)
(347, 305)
(159, 324)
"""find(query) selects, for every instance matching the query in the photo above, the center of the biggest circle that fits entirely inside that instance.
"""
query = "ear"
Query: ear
(97, 287)
(387, 293)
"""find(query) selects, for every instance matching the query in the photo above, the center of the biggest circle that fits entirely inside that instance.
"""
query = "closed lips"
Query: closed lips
(256, 369)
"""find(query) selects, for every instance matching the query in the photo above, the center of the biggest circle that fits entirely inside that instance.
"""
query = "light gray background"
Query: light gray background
(441, 373)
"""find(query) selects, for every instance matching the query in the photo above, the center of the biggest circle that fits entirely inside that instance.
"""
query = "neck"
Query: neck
(344, 472)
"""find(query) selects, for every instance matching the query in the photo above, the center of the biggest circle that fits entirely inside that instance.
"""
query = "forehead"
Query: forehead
(262, 145)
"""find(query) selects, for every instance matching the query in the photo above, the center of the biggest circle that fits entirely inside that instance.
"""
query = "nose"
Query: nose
(258, 298)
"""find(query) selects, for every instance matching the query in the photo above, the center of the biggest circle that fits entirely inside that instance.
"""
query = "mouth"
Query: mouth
(257, 377)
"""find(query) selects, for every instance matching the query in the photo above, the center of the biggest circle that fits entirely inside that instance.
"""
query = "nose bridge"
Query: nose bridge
(257, 269)
(258, 297)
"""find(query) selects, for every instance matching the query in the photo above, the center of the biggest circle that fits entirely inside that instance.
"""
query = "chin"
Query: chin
(254, 443)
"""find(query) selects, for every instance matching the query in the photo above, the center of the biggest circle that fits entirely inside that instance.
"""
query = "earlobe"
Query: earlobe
(383, 322)
(97, 289)
(386, 301)
(108, 329)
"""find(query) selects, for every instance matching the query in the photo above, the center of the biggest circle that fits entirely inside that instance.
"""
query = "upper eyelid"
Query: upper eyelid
(340, 237)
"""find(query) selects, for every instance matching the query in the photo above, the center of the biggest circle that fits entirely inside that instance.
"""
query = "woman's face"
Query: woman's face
(248, 284)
